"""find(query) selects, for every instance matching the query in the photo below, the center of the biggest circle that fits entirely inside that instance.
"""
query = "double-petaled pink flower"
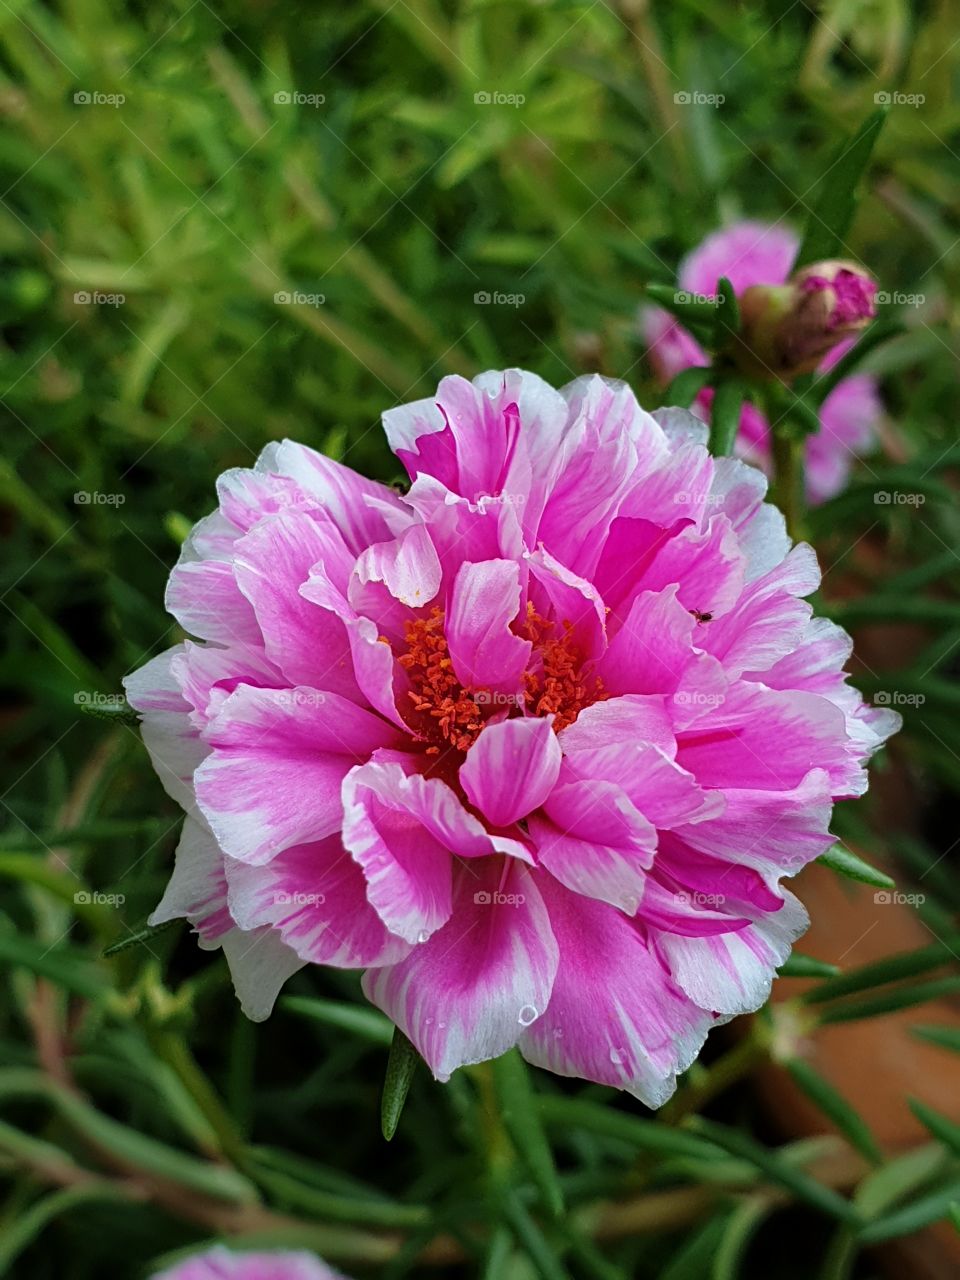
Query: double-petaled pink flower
(832, 302)
(534, 744)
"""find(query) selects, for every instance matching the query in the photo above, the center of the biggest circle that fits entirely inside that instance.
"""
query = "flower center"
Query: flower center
(445, 713)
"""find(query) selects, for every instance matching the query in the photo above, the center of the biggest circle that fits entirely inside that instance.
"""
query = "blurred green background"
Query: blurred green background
(223, 224)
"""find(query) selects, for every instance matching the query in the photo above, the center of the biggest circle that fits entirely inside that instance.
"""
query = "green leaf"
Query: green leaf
(776, 1169)
(904, 964)
(518, 1103)
(100, 706)
(726, 323)
(946, 1131)
(725, 416)
(532, 1240)
(693, 1260)
(901, 998)
(356, 1019)
(739, 1229)
(801, 966)
(67, 966)
(401, 1065)
(914, 1217)
(833, 1105)
(645, 1135)
(841, 860)
(139, 937)
(945, 1037)
(686, 386)
(686, 306)
(833, 207)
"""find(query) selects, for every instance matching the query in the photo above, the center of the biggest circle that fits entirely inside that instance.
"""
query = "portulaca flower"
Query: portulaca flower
(534, 745)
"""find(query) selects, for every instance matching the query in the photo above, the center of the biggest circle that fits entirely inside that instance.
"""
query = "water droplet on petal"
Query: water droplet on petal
(422, 936)
(527, 1015)
(616, 1057)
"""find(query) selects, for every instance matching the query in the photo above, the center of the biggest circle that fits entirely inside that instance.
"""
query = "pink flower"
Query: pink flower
(222, 1264)
(751, 255)
(534, 745)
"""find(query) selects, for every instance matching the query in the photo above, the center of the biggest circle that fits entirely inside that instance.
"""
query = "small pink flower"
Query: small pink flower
(817, 318)
(223, 1264)
(534, 745)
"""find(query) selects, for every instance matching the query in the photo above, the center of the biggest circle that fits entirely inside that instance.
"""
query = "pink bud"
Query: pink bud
(788, 329)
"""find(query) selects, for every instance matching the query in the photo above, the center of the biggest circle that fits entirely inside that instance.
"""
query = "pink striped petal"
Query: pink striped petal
(615, 1015)
(278, 760)
(511, 768)
(467, 994)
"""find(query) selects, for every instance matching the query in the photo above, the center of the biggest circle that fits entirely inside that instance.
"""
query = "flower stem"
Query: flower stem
(789, 490)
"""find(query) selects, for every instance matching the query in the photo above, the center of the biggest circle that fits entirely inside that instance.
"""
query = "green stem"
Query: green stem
(789, 491)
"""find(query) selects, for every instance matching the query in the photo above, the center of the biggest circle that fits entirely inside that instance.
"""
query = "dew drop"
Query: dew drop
(527, 1015)
(616, 1057)
(422, 936)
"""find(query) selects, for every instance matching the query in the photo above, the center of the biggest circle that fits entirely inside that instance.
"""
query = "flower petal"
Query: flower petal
(511, 768)
(615, 1015)
(466, 994)
(484, 651)
(279, 757)
(314, 897)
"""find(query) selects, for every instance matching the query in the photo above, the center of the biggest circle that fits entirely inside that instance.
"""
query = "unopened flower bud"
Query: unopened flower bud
(787, 329)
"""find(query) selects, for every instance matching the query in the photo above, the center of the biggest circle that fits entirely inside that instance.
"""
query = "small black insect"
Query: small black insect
(700, 617)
